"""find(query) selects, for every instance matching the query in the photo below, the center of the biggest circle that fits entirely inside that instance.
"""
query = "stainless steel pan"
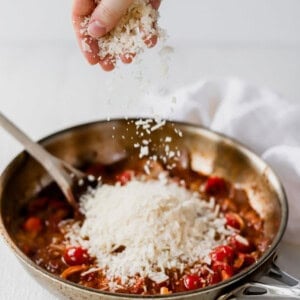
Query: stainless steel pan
(219, 154)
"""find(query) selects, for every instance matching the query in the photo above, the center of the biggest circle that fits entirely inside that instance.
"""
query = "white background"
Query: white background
(249, 21)
(46, 85)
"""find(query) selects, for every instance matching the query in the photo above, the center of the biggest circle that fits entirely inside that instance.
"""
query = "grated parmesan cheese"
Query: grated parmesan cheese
(128, 37)
(144, 128)
(242, 240)
(159, 223)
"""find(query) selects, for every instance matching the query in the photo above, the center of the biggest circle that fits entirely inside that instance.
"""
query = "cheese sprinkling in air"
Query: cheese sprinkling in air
(158, 224)
(144, 128)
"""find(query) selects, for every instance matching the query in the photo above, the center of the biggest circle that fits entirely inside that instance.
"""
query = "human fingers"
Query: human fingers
(150, 40)
(108, 63)
(155, 3)
(89, 47)
(106, 16)
(83, 8)
(127, 58)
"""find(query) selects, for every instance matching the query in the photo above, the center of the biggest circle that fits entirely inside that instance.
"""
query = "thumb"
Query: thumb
(106, 16)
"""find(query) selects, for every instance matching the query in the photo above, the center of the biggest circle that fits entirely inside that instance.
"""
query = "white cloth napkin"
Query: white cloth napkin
(259, 118)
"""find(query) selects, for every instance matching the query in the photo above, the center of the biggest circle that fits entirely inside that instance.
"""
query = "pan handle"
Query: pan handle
(289, 287)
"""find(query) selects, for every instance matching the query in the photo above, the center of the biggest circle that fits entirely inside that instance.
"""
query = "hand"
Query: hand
(103, 18)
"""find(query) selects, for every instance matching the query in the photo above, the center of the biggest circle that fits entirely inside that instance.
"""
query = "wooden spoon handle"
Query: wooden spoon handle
(53, 165)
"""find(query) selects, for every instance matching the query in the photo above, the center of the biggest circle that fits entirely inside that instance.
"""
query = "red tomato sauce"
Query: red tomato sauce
(42, 239)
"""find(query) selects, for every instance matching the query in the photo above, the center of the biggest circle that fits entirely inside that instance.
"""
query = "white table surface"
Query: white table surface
(45, 85)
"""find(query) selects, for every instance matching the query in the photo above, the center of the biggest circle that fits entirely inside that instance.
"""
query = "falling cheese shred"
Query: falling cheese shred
(158, 224)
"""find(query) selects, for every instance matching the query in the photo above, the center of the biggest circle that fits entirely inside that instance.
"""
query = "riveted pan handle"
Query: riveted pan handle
(289, 287)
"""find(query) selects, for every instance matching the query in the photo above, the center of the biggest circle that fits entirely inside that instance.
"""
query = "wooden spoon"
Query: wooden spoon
(65, 175)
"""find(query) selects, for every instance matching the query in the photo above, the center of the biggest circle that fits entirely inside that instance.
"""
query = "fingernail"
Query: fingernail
(96, 29)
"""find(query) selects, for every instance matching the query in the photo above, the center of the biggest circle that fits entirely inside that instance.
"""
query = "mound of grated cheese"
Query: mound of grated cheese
(161, 225)
(128, 37)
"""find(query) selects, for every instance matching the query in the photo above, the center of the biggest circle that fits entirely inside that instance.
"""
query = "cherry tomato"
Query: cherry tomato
(223, 253)
(213, 278)
(33, 225)
(215, 186)
(192, 282)
(124, 177)
(76, 256)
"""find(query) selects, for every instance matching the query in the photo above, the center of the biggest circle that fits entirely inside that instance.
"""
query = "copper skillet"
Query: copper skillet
(216, 153)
